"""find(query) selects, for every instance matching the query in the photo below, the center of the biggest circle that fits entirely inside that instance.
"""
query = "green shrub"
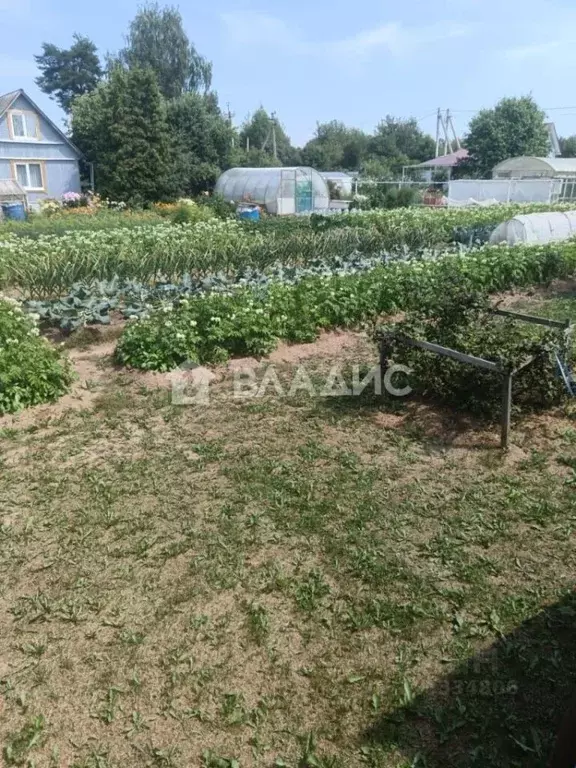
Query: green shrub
(31, 370)
(188, 212)
(221, 208)
(460, 318)
(210, 327)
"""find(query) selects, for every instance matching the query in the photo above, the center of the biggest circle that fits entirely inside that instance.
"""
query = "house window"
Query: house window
(29, 176)
(24, 125)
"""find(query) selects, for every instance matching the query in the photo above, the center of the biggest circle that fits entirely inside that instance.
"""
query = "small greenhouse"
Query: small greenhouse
(536, 168)
(549, 227)
(282, 191)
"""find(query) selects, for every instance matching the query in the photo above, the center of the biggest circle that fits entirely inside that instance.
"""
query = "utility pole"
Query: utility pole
(447, 145)
(274, 146)
(230, 121)
(438, 118)
(450, 124)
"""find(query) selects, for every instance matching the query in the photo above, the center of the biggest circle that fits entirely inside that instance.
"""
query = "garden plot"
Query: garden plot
(297, 582)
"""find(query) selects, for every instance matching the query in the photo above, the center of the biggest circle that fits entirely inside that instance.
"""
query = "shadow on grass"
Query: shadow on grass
(420, 419)
(501, 709)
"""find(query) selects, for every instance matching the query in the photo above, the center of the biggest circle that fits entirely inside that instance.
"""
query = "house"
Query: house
(34, 151)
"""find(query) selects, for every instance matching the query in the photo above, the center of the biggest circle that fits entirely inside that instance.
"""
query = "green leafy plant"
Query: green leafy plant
(460, 318)
(249, 321)
(19, 744)
(31, 370)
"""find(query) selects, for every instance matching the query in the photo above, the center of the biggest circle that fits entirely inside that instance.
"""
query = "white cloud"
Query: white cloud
(394, 38)
(523, 52)
(14, 67)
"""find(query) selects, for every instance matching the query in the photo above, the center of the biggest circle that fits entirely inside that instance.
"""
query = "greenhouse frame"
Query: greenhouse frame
(282, 191)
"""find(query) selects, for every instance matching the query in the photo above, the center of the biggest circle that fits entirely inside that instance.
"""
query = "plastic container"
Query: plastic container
(249, 212)
(14, 211)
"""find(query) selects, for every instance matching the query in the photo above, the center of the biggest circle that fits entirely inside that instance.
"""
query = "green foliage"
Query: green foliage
(31, 370)
(201, 142)
(68, 72)
(400, 142)
(336, 147)
(248, 321)
(514, 127)
(189, 212)
(386, 196)
(37, 225)
(456, 316)
(218, 205)
(394, 143)
(157, 41)
(122, 127)
(21, 743)
(257, 130)
(568, 146)
(49, 266)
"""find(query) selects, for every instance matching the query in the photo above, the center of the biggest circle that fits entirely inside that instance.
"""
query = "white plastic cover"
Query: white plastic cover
(281, 190)
(464, 192)
(536, 228)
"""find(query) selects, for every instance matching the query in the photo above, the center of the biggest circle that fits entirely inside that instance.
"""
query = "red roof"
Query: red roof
(445, 161)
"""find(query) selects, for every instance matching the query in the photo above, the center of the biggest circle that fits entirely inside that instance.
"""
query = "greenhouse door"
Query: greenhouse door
(304, 192)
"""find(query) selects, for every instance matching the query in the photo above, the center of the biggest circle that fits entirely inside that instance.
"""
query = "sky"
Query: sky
(316, 60)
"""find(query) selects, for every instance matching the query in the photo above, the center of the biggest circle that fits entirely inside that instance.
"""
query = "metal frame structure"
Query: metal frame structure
(479, 362)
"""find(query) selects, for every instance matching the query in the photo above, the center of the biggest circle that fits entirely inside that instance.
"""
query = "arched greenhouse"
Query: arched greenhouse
(282, 191)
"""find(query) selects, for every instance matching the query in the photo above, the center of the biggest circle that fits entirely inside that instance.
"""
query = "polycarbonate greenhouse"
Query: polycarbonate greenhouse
(282, 191)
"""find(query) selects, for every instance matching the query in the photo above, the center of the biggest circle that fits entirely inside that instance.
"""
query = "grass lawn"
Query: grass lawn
(314, 582)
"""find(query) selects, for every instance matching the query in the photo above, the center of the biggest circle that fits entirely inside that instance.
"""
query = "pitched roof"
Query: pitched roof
(7, 99)
(10, 188)
(445, 161)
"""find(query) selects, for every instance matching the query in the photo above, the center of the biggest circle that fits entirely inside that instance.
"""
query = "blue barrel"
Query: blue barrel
(14, 211)
(248, 212)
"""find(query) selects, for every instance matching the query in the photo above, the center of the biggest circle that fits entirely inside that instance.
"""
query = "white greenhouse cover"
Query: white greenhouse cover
(465, 192)
(536, 228)
(281, 190)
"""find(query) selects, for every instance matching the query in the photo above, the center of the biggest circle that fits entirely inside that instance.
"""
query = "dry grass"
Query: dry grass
(282, 582)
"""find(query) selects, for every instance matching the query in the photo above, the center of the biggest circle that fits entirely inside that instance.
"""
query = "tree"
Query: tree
(157, 40)
(257, 132)
(568, 146)
(336, 148)
(68, 72)
(401, 142)
(514, 127)
(202, 141)
(122, 128)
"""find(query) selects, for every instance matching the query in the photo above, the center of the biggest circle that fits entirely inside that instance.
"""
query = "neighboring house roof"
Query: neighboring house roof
(554, 140)
(8, 99)
(526, 163)
(444, 161)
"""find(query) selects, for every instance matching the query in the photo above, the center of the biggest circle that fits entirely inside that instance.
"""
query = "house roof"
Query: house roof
(7, 99)
(10, 188)
(444, 161)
